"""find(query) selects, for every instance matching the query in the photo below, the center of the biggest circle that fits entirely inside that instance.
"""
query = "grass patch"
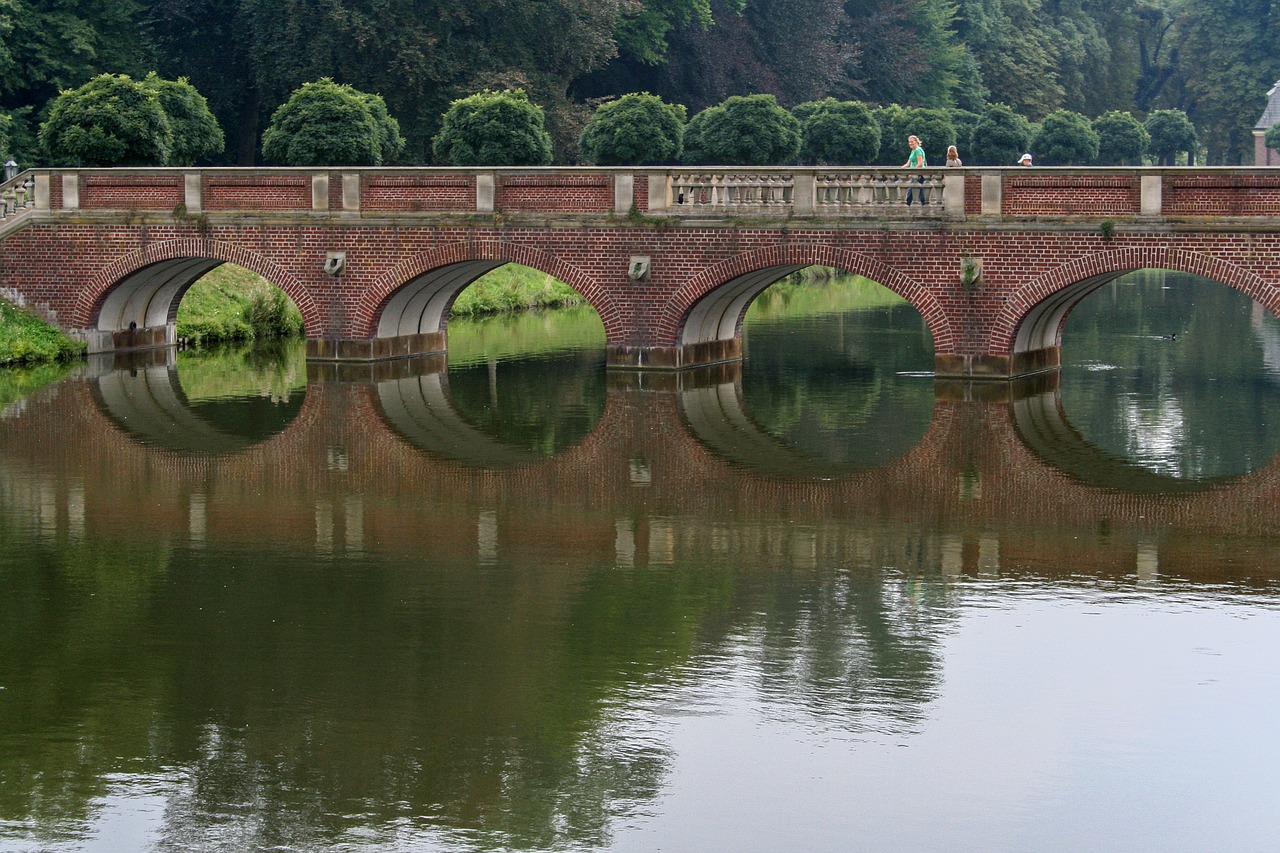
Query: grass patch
(19, 382)
(27, 339)
(233, 304)
(514, 288)
(820, 290)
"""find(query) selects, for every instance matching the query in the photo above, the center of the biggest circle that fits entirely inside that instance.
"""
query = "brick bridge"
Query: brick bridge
(994, 260)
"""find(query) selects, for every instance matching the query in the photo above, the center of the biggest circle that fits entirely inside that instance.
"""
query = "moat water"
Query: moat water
(814, 602)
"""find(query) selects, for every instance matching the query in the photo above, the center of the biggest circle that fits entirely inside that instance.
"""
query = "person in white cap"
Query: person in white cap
(1025, 159)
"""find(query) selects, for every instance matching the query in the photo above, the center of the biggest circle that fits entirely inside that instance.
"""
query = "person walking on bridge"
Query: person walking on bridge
(915, 161)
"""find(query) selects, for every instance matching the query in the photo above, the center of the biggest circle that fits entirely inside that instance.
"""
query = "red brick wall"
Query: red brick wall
(123, 192)
(261, 192)
(454, 192)
(1222, 195)
(1070, 195)
(555, 193)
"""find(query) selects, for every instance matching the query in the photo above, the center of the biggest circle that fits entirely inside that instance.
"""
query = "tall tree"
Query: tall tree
(1233, 43)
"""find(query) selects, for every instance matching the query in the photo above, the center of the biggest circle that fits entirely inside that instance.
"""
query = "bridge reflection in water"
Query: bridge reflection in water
(230, 606)
(371, 450)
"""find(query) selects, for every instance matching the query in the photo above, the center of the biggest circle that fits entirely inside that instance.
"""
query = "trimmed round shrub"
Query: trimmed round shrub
(637, 129)
(841, 133)
(999, 138)
(1171, 134)
(110, 121)
(493, 129)
(1122, 140)
(196, 132)
(744, 130)
(1066, 138)
(327, 124)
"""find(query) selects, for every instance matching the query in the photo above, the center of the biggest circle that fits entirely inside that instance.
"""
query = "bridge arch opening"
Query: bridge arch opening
(143, 307)
(709, 311)
(837, 376)
(1166, 371)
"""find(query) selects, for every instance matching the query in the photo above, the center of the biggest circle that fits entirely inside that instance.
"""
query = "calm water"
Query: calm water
(816, 602)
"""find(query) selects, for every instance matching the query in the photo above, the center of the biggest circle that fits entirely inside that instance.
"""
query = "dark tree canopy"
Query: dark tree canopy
(635, 130)
(1213, 60)
(493, 129)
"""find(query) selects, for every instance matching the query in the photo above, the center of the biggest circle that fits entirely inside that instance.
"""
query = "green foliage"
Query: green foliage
(1171, 133)
(999, 138)
(514, 288)
(695, 152)
(1122, 140)
(389, 141)
(838, 132)
(643, 29)
(638, 129)
(934, 128)
(328, 124)
(744, 130)
(110, 121)
(964, 122)
(26, 339)
(1272, 137)
(233, 304)
(1066, 138)
(196, 133)
(891, 119)
(493, 129)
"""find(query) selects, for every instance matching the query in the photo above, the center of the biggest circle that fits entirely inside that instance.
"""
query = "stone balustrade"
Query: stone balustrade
(17, 195)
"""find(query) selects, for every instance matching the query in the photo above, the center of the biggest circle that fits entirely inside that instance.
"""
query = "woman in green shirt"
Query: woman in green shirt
(915, 161)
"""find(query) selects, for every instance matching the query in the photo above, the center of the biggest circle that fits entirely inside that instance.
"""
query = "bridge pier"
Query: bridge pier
(376, 349)
(681, 357)
(98, 341)
(997, 367)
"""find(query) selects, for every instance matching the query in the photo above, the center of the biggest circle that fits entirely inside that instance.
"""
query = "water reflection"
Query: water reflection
(214, 403)
(1171, 372)
(422, 616)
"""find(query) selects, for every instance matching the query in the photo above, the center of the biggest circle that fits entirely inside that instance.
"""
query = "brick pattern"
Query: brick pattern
(555, 193)
(1070, 195)
(1222, 195)
(382, 192)
(972, 195)
(262, 192)
(140, 192)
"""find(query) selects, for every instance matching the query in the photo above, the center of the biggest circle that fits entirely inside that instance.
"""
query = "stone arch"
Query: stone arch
(145, 286)
(415, 295)
(714, 302)
(1033, 318)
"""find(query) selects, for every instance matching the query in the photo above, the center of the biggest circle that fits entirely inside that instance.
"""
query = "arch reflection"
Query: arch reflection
(191, 407)
(498, 414)
(1042, 424)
